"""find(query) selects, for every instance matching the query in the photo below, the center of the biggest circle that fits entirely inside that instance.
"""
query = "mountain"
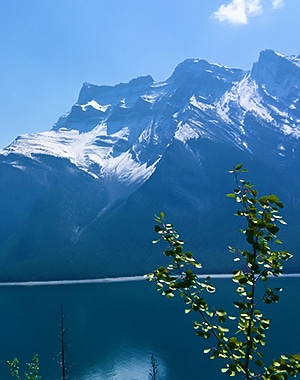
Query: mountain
(78, 201)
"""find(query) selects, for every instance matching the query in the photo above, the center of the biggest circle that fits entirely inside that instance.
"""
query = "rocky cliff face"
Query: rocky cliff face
(78, 201)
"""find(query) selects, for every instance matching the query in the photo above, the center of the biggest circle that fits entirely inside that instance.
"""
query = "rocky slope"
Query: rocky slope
(78, 200)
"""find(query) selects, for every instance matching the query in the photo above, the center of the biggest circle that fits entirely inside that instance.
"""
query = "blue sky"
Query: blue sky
(49, 48)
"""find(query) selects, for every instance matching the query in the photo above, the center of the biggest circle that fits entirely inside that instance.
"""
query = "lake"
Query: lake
(114, 328)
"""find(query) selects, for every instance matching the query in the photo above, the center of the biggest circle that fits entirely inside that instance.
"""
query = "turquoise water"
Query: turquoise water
(114, 328)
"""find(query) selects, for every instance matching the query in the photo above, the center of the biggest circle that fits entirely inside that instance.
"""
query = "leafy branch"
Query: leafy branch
(242, 349)
(33, 369)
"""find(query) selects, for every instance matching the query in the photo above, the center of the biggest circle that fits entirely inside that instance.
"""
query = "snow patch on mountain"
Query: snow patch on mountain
(84, 151)
(294, 59)
(293, 130)
(245, 94)
(95, 105)
(200, 104)
(185, 132)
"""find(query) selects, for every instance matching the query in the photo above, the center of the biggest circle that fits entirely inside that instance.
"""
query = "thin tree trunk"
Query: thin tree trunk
(62, 337)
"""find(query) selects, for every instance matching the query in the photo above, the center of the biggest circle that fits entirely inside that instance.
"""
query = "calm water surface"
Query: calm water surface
(114, 328)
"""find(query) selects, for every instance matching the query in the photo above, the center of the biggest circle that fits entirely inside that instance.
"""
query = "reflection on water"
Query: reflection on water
(133, 365)
(114, 328)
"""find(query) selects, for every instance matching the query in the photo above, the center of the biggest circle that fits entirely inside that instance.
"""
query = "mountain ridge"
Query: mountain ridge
(120, 144)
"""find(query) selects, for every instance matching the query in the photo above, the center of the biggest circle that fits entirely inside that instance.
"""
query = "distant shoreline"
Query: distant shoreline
(108, 280)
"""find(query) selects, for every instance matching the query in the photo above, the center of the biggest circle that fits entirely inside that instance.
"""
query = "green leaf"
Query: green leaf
(155, 241)
(230, 195)
(272, 228)
(224, 370)
(210, 288)
(273, 198)
(170, 295)
(157, 228)
(282, 222)
(238, 167)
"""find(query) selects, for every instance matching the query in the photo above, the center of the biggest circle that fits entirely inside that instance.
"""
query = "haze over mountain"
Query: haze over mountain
(78, 201)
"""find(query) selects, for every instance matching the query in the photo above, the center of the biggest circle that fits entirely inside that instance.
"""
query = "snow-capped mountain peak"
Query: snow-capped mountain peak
(77, 200)
(119, 133)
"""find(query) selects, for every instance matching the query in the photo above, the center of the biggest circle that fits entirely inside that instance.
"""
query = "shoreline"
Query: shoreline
(109, 280)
